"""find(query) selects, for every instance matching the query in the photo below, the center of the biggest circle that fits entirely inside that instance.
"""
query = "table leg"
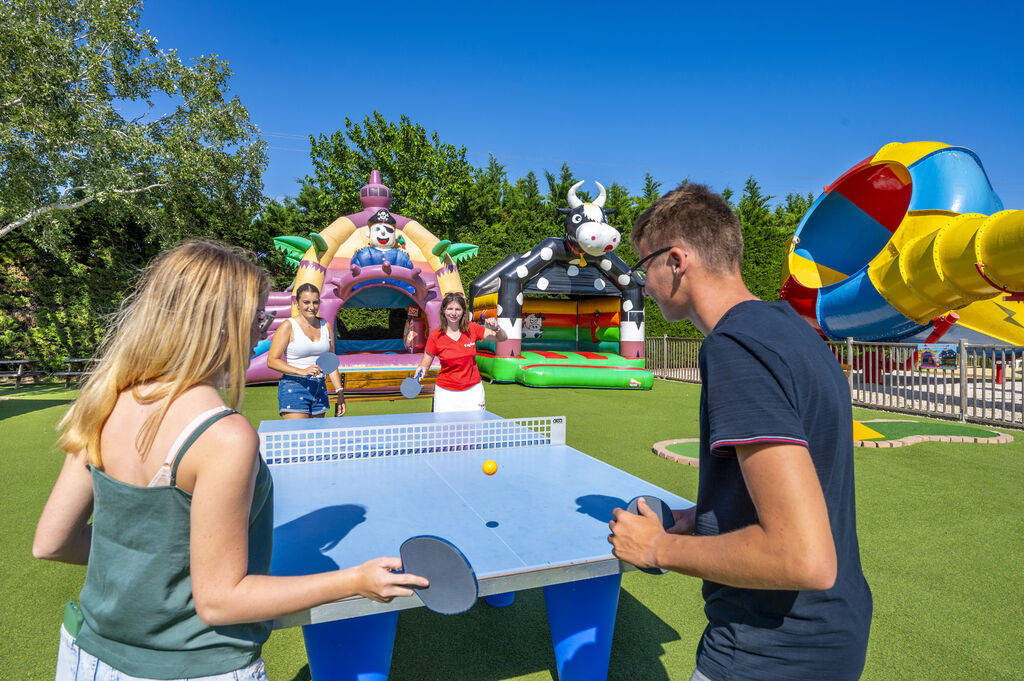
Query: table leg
(582, 620)
(356, 649)
(501, 600)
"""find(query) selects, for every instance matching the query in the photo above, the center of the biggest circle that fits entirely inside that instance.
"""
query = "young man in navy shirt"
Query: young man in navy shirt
(773, 534)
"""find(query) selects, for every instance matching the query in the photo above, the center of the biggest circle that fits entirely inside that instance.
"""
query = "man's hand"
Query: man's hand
(634, 537)
(685, 521)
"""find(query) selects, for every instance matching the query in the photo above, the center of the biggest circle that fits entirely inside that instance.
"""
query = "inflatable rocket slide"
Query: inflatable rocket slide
(910, 244)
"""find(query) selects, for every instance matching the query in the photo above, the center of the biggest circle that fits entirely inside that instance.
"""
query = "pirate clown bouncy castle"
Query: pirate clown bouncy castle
(371, 259)
(592, 335)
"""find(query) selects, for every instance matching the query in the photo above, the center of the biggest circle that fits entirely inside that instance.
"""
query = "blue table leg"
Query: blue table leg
(356, 649)
(501, 600)
(582, 620)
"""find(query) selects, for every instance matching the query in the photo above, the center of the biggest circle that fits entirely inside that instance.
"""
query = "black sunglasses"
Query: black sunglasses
(639, 271)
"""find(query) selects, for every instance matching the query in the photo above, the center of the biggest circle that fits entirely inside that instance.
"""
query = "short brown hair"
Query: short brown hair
(696, 215)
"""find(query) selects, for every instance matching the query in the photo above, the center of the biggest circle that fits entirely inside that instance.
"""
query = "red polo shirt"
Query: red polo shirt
(458, 357)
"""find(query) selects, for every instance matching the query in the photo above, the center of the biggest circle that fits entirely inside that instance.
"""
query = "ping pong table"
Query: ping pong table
(350, 489)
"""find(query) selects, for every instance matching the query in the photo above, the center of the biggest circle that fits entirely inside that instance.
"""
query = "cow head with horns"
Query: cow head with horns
(586, 227)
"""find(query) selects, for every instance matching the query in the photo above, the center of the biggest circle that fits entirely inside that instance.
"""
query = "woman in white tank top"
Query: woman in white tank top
(302, 391)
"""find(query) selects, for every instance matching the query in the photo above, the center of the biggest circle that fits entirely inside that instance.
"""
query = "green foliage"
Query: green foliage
(429, 179)
(766, 235)
(54, 305)
(72, 71)
(89, 193)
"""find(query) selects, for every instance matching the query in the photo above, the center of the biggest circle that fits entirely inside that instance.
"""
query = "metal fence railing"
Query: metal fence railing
(674, 359)
(984, 384)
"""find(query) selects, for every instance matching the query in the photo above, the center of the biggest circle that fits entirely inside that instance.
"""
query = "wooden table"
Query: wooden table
(20, 369)
(77, 369)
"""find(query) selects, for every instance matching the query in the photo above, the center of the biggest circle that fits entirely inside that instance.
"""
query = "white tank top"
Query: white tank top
(302, 352)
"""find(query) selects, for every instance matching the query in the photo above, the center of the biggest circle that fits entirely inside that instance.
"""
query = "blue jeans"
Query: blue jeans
(302, 395)
(74, 664)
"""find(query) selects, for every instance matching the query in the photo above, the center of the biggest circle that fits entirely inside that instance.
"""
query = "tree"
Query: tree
(72, 71)
(764, 242)
(429, 179)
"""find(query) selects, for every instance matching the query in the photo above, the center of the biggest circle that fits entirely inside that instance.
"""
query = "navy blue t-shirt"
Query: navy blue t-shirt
(768, 377)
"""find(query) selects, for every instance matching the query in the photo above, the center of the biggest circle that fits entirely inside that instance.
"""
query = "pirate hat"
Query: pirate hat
(381, 216)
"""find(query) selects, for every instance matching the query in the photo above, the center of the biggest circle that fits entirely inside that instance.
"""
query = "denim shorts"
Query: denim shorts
(302, 395)
(74, 664)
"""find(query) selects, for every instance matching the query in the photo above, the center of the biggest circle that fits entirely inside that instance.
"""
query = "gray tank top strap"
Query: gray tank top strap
(193, 436)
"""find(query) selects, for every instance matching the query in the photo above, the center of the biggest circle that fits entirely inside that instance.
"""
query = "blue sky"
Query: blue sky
(790, 93)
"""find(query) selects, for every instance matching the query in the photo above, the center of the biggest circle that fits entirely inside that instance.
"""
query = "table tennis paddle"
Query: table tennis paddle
(328, 362)
(664, 513)
(453, 586)
(410, 387)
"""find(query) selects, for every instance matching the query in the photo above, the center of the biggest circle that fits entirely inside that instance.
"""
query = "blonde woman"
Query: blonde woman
(302, 391)
(458, 386)
(181, 502)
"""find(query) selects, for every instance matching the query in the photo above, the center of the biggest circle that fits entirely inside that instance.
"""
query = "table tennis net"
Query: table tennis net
(368, 442)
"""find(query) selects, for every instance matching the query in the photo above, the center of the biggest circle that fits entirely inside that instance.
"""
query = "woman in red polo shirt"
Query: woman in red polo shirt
(458, 386)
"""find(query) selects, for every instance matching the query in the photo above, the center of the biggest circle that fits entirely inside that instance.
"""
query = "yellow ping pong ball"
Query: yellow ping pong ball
(490, 468)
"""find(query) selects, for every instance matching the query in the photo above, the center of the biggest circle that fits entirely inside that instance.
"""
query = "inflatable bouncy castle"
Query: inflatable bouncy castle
(593, 336)
(371, 259)
(911, 244)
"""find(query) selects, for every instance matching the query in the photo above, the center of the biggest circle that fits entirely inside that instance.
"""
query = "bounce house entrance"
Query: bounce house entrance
(565, 342)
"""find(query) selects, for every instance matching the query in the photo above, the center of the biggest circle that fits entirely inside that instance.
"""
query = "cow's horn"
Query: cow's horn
(599, 202)
(574, 201)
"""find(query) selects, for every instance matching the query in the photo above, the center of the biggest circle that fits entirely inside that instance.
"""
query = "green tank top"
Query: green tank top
(137, 605)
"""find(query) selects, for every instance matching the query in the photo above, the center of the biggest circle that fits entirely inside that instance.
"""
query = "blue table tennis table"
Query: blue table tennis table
(350, 489)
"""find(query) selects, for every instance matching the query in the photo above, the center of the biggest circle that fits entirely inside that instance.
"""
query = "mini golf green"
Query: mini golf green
(895, 430)
(895, 433)
(689, 448)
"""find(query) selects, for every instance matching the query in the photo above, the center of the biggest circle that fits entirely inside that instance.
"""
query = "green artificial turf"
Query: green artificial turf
(894, 430)
(940, 529)
(690, 449)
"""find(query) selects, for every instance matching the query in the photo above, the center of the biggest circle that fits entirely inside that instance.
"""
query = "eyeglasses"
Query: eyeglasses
(639, 271)
(263, 320)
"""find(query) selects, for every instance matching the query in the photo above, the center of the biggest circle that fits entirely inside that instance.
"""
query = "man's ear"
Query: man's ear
(679, 260)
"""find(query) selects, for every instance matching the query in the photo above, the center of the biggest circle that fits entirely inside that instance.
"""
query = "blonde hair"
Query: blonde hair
(188, 321)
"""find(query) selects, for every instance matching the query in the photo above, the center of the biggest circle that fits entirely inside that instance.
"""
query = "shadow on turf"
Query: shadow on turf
(490, 644)
(17, 406)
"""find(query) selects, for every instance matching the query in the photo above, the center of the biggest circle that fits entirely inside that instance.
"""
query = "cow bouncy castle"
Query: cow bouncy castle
(592, 335)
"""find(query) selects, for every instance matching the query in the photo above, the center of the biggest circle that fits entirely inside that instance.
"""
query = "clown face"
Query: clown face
(383, 235)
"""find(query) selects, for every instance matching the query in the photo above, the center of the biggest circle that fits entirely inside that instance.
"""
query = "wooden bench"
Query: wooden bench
(77, 369)
(368, 386)
(19, 370)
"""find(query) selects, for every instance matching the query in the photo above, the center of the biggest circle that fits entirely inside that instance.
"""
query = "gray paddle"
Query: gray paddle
(453, 586)
(328, 362)
(410, 387)
(664, 513)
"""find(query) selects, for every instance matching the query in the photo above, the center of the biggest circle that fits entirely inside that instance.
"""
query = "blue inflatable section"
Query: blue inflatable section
(380, 345)
(377, 294)
(952, 179)
(832, 220)
(261, 347)
(853, 308)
